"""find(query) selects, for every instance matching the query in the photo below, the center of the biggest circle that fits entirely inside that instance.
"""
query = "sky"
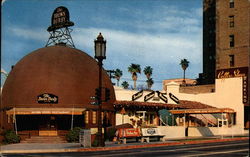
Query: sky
(156, 33)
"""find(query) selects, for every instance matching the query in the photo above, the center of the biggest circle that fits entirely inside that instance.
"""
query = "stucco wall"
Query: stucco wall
(228, 94)
(172, 131)
(213, 131)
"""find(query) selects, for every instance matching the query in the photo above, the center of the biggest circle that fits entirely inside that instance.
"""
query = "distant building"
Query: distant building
(226, 46)
(189, 82)
(209, 42)
(226, 26)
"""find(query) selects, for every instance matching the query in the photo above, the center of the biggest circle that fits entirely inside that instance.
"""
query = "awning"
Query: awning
(203, 111)
(43, 111)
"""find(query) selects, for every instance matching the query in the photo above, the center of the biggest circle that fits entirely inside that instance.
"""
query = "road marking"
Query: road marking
(171, 150)
(220, 152)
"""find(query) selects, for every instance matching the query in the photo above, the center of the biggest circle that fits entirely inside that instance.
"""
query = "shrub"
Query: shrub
(11, 137)
(73, 135)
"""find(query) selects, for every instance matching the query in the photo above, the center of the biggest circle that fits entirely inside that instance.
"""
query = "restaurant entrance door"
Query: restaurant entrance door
(48, 126)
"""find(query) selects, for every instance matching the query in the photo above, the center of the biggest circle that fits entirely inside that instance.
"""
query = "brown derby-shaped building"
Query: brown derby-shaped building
(69, 76)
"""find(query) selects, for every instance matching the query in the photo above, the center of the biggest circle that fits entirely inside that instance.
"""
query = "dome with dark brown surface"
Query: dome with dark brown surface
(69, 74)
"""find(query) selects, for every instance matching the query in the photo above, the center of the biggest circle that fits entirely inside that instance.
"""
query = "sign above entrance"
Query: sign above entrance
(47, 98)
(230, 73)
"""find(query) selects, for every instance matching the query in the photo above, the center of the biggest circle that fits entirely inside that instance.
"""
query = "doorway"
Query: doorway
(48, 126)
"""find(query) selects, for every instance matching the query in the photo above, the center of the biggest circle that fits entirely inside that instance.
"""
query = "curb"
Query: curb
(118, 147)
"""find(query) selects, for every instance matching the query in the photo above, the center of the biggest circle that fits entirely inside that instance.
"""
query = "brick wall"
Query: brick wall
(240, 31)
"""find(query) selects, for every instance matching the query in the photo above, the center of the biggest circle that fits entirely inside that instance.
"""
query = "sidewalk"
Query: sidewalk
(75, 147)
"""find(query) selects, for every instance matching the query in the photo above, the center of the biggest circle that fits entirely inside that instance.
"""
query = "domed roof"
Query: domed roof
(67, 73)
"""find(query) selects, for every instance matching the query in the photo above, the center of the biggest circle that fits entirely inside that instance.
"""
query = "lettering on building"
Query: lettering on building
(137, 95)
(230, 73)
(60, 19)
(162, 96)
(245, 90)
(149, 96)
(237, 72)
(47, 98)
(174, 98)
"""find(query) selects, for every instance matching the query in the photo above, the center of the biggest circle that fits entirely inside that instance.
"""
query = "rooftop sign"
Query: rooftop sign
(60, 19)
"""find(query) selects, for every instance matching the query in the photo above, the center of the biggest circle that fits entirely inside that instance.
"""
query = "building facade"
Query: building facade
(226, 44)
(209, 42)
(48, 92)
(226, 26)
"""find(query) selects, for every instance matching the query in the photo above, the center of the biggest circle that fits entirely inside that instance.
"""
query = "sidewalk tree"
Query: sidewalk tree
(134, 69)
(118, 75)
(184, 64)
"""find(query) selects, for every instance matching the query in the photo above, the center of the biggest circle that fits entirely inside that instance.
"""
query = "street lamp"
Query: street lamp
(100, 54)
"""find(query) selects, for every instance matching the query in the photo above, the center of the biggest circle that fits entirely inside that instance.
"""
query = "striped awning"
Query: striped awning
(47, 111)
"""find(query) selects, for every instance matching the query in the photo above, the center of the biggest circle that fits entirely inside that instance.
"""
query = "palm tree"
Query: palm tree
(148, 71)
(118, 75)
(125, 84)
(150, 82)
(134, 69)
(184, 64)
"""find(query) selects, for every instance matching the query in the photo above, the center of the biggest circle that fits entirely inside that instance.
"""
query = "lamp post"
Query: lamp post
(100, 54)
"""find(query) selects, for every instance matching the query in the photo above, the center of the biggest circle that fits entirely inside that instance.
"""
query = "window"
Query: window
(231, 3)
(231, 38)
(94, 117)
(102, 117)
(231, 21)
(231, 60)
(86, 117)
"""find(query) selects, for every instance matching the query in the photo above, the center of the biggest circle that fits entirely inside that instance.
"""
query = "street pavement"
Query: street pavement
(219, 149)
(23, 148)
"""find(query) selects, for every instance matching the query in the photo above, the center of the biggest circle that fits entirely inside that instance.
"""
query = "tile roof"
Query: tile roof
(184, 104)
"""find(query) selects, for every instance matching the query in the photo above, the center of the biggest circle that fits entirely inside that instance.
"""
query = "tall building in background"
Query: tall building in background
(233, 45)
(226, 39)
(209, 42)
(226, 44)
(232, 34)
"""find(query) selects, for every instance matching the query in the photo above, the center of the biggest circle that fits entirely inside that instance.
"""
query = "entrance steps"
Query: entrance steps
(45, 139)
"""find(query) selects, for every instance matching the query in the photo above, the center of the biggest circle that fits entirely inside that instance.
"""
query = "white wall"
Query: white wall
(213, 131)
(228, 94)
(171, 131)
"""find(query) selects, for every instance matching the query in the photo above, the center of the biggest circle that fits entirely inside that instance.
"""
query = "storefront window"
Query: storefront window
(86, 117)
(94, 117)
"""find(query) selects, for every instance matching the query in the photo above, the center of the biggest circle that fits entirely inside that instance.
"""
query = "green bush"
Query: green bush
(73, 135)
(11, 137)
